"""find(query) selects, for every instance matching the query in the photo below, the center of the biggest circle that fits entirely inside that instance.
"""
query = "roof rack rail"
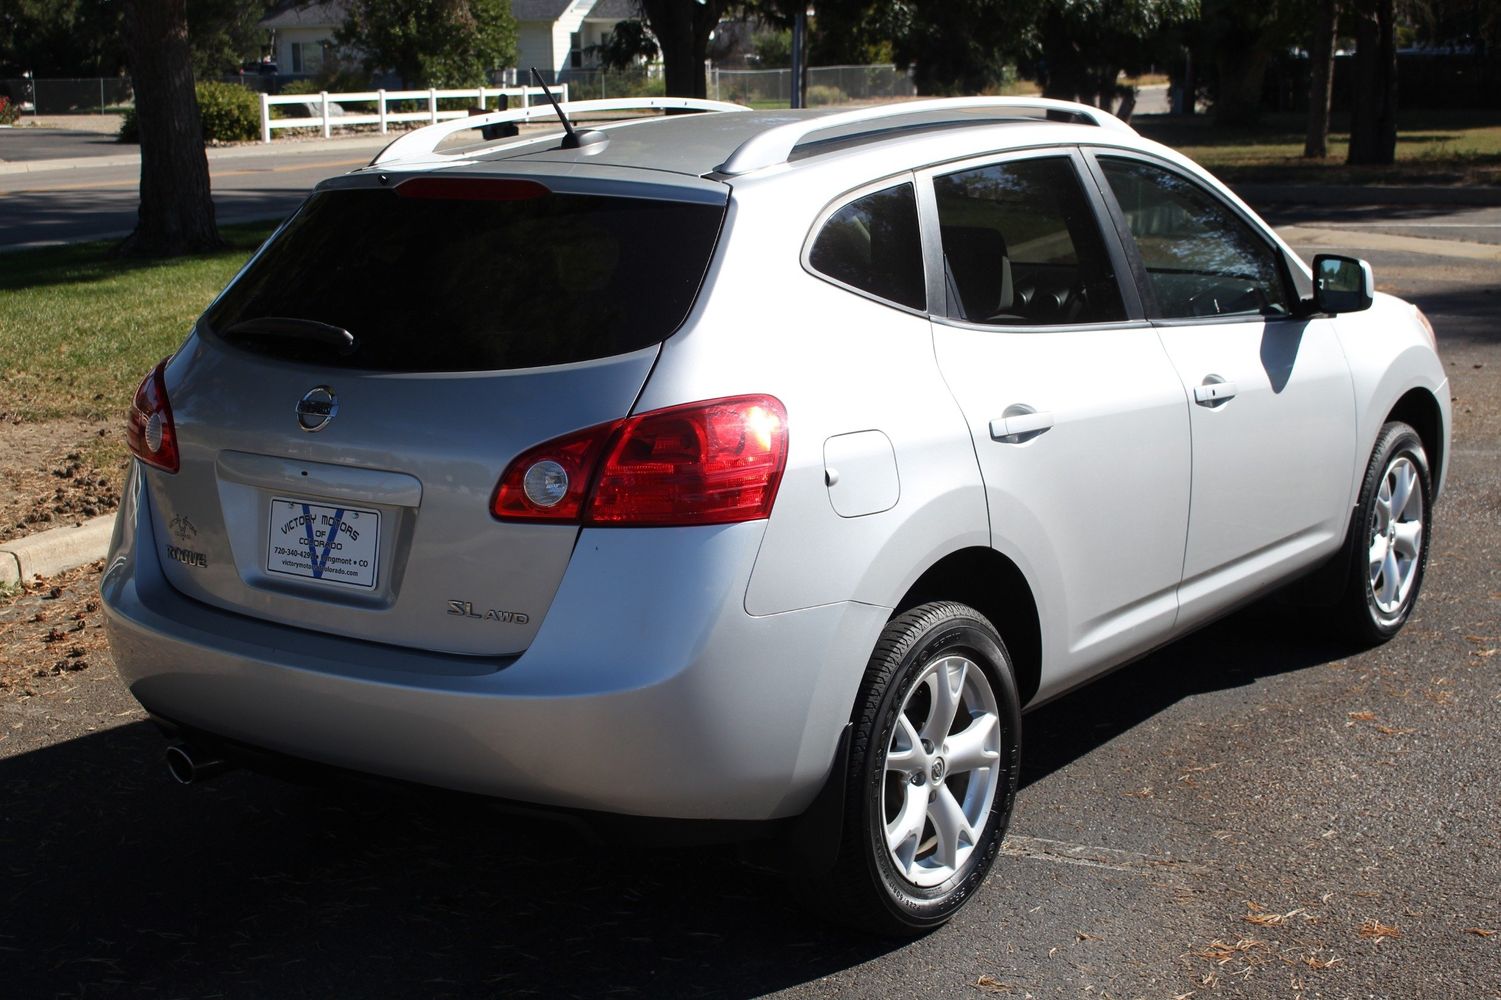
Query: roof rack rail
(425, 141)
(775, 145)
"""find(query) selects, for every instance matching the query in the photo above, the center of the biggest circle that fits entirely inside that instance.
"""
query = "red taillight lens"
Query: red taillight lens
(551, 481)
(148, 427)
(715, 462)
(704, 463)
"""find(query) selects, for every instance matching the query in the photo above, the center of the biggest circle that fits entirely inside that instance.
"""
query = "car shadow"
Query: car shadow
(116, 880)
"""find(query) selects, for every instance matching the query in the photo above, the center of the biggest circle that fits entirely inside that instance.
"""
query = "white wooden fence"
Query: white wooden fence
(325, 103)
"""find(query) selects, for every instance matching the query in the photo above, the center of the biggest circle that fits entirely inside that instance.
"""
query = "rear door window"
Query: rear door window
(1022, 246)
(873, 245)
(470, 275)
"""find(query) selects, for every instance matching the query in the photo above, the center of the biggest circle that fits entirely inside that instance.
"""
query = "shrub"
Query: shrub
(822, 93)
(10, 113)
(230, 113)
(296, 110)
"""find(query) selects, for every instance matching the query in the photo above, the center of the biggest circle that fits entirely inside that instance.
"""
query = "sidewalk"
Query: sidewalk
(1367, 194)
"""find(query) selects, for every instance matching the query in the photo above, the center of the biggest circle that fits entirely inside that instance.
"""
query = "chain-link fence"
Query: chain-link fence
(93, 96)
(764, 87)
(760, 87)
(826, 85)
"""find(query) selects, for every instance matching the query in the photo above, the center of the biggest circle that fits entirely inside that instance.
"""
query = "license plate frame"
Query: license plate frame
(322, 542)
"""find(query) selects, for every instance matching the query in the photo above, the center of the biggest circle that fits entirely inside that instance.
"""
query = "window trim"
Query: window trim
(841, 202)
(1092, 156)
(939, 306)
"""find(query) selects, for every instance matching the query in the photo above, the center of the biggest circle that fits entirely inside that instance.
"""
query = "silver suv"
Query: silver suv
(755, 466)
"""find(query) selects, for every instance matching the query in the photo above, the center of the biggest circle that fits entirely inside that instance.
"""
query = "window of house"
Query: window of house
(307, 57)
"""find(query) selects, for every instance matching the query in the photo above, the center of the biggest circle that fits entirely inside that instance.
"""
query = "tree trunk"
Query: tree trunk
(1241, 70)
(682, 28)
(1321, 80)
(177, 213)
(1373, 118)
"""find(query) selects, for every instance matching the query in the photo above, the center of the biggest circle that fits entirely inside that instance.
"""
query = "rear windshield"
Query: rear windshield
(461, 284)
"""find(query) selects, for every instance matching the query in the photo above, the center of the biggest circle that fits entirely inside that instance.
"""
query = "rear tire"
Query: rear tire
(934, 757)
(1389, 537)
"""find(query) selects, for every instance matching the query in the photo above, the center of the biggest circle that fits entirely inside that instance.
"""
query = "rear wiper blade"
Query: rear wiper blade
(293, 328)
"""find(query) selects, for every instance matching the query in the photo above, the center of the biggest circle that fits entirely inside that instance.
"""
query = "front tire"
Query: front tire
(933, 764)
(1389, 537)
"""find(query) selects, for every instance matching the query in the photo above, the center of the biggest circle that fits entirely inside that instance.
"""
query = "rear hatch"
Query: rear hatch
(344, 410)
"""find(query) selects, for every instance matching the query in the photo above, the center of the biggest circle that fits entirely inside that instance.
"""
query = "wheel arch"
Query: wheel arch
(1419, 409)
(995, 586)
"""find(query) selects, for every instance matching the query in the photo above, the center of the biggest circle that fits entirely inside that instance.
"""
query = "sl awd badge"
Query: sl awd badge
(316, 408)
(465, 609)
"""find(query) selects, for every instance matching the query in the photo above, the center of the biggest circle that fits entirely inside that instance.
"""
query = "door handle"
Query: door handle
(1214, 392)
(1020, 424)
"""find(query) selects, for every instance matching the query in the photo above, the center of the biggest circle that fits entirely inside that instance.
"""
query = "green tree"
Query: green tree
(62, 38)
(1321, 79)
(1239, 39)
(629, 43)
(177, 212)
(682, 29)
(960, 46)
(224, 33)
(1373, 114)
(1084, 45)
(437, 43)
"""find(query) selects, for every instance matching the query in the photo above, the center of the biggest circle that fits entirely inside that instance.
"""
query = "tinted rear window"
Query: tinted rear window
(454, 284)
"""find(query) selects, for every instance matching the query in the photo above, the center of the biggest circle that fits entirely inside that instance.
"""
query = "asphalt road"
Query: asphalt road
(97, 203)
(1257, 811)
(20, 145)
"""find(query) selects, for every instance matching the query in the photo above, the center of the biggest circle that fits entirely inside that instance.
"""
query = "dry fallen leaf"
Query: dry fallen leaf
(1377, 931)
(1261, 918)
(1086, 937)
(990, 984)
(1480, 932)
(1366, 716)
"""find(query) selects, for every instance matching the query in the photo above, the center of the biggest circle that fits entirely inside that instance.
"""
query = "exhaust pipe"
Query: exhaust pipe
(188, 763)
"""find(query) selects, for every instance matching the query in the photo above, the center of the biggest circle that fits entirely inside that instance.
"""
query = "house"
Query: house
(555, 35)
(552, 35)
(302, 34)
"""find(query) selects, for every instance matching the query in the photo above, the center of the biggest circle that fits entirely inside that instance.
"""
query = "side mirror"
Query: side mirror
(1341, 284)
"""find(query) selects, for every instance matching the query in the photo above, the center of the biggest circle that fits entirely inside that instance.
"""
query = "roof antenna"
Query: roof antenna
(574, 138)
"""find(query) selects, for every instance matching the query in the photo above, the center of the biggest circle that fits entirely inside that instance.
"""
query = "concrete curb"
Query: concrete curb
(54, 551)
(1367, 194)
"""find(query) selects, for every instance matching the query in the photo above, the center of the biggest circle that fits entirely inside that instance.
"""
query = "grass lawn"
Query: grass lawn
(1433, 147)
(79, 328)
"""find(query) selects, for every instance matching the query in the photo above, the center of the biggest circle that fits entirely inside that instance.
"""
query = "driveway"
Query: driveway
(1258, 811)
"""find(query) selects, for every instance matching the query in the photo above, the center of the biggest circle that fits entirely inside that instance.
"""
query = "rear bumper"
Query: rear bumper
(648, 690)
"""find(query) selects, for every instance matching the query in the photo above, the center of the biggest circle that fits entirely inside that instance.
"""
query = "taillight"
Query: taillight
(715, 462)
(551, 481)
(148, 427)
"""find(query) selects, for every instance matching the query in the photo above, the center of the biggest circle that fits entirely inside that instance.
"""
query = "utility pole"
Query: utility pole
(800, 56)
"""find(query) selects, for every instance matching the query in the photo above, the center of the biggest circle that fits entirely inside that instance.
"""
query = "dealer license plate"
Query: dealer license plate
(319, 542)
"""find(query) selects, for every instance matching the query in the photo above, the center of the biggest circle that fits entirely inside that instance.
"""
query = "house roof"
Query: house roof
(615, 10)
(303, 14)
(539, 10)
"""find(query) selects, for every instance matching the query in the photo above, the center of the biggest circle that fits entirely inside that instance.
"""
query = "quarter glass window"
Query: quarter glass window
(873, 244)
(1021, 246)
(1201, 258)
